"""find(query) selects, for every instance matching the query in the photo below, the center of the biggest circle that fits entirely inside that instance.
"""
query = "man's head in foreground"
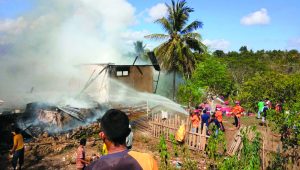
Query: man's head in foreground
(114, 127)
(114, 130)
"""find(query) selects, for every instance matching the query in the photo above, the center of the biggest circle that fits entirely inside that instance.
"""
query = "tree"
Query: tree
(209, 75)
(272, 85)
(243, 49)
(140, 50)
(219, 53)
(176, 54)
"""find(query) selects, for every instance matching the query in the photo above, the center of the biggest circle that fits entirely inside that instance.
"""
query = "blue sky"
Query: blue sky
(222, 22)
(267, 24)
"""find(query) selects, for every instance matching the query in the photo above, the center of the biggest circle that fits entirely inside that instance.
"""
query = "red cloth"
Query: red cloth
(226, 109)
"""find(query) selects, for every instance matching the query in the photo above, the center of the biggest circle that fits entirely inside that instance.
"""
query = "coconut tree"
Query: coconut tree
(140, 50)
(178, 52)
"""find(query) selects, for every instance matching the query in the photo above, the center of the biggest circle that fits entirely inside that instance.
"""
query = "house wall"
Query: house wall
(136, 80)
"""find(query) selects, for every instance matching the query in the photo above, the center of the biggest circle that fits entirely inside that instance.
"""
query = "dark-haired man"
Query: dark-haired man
(114, 130)
(18, 149)
(80, 157)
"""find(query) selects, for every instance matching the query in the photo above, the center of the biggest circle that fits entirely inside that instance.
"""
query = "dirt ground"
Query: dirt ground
(57, 154)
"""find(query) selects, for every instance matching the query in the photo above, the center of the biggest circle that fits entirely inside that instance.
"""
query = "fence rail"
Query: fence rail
(166, 127)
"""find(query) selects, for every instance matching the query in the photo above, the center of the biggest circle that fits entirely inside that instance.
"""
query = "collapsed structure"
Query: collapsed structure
(106, 87)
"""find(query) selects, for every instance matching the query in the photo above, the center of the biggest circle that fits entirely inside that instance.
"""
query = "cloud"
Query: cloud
(12, 26)
(259, 17)
(156, 12)
(217, 44)
(294, 43)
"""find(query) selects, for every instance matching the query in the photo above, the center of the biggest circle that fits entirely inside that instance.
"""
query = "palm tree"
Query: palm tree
(178, 52)
(140, 50)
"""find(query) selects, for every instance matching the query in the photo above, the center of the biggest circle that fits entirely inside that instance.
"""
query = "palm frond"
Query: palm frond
(157, 36)
(192, 35)
(165, 24)
(192, 27)
(196, 45)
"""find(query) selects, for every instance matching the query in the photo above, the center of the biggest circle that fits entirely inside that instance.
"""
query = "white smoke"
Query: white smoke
(41, 50)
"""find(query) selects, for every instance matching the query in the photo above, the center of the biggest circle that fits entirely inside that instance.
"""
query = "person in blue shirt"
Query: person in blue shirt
(205, 117)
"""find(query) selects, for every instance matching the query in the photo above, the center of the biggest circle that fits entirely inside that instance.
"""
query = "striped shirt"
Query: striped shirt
(80, 155)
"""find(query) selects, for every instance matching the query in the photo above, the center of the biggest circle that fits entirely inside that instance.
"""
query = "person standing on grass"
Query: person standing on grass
(80, 158)
(205, 118)
(113, 132)
(269, 103)
(219, 117)
(260, 106)
(266, 108)
(18, 149)
(237, 111)
(195, 120)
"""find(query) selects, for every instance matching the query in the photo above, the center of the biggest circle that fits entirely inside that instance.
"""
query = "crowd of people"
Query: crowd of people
(117, 136)
(264, 105)
(205, 114)
(208, 115)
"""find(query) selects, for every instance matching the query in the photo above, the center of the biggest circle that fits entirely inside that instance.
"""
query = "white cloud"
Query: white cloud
(156, 12)
(12, 26)
(218, 44)
(259, 17)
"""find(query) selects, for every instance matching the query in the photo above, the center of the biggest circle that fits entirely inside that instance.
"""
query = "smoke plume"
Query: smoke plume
(40, 51)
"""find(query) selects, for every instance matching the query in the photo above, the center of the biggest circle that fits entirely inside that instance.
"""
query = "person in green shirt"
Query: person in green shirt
(260, 105)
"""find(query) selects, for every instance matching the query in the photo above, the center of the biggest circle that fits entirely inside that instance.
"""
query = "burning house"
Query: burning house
(138, 77)
(103, 78)
(107, 85)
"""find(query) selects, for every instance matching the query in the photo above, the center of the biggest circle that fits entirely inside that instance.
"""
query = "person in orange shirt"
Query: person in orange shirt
(237, 111)
(195, 120)
(219, 117)
(18, 149)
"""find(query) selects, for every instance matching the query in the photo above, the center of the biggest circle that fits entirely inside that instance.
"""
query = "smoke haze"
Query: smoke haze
(40, 51)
